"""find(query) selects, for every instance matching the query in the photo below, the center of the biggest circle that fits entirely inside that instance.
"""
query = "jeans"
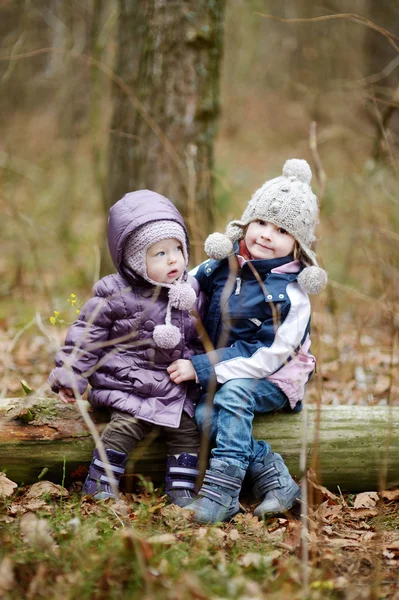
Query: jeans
(228, 421)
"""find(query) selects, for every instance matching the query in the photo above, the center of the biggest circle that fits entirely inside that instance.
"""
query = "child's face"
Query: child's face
(265, 240)
(165, 261)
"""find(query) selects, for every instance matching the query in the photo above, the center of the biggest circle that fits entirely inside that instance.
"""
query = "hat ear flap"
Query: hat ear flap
(220, 245)
(234, 232)
(312, 280)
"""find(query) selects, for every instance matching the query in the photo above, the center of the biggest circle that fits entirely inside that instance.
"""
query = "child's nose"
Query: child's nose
(267, 231)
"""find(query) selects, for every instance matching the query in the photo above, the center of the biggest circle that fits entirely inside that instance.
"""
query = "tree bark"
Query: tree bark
(355, 447)
(164, 118)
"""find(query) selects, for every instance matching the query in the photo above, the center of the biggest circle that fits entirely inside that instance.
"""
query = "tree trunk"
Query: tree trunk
(164, 118)
(355, 447)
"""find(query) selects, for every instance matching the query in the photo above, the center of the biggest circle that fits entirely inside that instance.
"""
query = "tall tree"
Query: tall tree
(165, 111)
(382, 61)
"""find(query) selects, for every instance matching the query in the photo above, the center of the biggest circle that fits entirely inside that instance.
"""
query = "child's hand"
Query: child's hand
(181, 370)
(66, 395)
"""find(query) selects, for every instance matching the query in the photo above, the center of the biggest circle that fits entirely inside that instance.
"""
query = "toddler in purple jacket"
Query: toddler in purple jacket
(138, 322)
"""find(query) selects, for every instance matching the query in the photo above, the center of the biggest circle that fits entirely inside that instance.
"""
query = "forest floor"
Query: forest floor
(56, 545)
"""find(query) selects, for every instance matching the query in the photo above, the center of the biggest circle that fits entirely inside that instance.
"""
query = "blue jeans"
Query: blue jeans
(228, 421)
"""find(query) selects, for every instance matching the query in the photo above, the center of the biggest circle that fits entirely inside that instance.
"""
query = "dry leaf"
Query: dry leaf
(7, 487)
(6, 519)
(34, 505)
(382, 384)
(233, 535)
(293, 536)
(7, 579)
(363, 513)
(37, 582)
(366, 500)
(162, 538)
(41, 488)
(201, 532)
(343, 543)
(176, 516)
(256, 560)
(390, 495)
(327, 512)
(312, 482)
(36, 532)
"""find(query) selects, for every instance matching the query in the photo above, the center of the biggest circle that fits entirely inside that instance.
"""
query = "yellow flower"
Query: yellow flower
(77, 311)
(56, 313)
(52, 320)
(73, 295)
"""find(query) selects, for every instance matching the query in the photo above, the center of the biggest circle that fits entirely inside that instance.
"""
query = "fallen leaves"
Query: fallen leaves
(7, 578)
(390, 495)
(46, 488)
(7, 487)
(257, 560)
(37, 532)
(366, 500)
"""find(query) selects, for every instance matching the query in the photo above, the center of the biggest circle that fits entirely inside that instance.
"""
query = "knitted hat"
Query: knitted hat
(287, 202)
(181, 295)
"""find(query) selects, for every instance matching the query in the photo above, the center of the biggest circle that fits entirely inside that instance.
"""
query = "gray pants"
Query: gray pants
(123, 433)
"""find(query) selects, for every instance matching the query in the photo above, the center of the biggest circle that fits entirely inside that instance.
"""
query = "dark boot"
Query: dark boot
(218, 497)
(97, 482)
(271, 482)
(181, 476)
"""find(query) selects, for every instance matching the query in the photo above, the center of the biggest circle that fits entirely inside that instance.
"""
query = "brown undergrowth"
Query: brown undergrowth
(54, 544)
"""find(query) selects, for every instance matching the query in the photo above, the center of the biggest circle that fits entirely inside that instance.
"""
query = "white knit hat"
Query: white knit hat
(181, 295)
(288, 202)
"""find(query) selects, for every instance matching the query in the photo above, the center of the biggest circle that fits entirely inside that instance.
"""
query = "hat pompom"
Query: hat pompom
(166, 336)
(182, 296)
(312, 280)
(218, 246)
(298, 168)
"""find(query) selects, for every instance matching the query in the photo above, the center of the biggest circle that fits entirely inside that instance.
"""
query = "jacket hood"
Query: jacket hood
(134, 210)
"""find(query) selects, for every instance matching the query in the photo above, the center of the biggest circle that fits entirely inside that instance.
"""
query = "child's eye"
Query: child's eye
(281, 230)
(261, 222)
(161, 253)
(180, 248)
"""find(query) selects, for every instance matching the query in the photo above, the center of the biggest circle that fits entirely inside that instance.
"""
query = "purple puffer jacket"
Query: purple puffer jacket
(111, 344)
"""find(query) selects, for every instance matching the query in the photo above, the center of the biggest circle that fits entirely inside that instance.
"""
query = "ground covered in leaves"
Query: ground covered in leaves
(54, 544)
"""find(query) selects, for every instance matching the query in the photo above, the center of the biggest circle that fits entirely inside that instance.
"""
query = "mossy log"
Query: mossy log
(353, 447)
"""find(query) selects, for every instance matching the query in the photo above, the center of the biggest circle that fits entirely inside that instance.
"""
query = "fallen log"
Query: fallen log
(353, 447)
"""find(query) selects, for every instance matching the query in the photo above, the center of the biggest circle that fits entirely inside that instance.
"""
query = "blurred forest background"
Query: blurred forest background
(84, 120)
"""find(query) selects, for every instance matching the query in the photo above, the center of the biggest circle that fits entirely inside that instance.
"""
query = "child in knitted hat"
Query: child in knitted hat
(257, 282)
(136, 324)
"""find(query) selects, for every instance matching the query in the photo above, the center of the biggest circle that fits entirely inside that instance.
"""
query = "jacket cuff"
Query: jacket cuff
(65, 378)
(204, 370)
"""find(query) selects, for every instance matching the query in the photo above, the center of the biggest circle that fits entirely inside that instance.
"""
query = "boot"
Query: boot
(97, 482)
(218, 497)
(181, 476)
(272, 483)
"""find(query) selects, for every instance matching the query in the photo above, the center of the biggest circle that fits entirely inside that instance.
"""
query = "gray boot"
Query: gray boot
(272, 483)
(218, 497)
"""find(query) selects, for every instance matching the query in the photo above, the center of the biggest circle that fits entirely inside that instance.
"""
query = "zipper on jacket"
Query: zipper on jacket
(238, 286)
